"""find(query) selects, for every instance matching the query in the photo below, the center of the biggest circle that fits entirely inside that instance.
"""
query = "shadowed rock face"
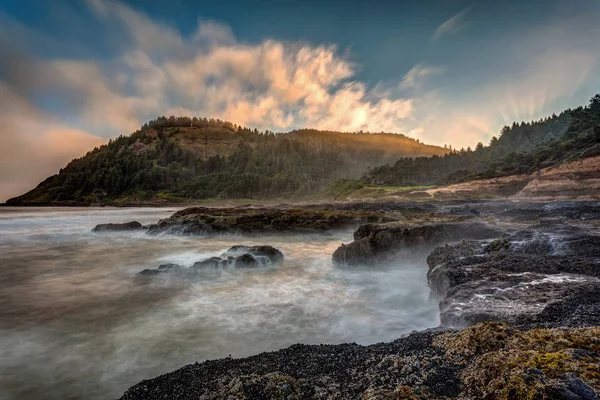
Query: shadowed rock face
(206, 221)
(127, 226)
(377, 243)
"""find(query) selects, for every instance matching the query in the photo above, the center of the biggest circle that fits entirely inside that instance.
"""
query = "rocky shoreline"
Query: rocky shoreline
(519, 291)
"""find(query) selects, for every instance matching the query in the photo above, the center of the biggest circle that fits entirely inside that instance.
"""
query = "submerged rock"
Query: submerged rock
(126, 226)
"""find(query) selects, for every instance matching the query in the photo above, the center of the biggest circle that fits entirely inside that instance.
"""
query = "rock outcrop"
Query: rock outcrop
(126, 226)
(381, 243)
(207, 221)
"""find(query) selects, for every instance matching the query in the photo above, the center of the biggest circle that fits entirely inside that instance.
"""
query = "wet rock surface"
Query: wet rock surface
(127, 226)
(548, 275)
(239, 256)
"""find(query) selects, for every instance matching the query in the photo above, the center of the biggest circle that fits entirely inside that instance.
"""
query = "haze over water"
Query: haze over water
(76, 322)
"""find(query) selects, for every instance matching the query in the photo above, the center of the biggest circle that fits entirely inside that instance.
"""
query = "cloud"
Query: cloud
(417, 75)
(62, 107)
(268, 85)
(452, 25)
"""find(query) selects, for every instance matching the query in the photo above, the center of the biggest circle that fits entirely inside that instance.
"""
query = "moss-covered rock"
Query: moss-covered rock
(507, 363)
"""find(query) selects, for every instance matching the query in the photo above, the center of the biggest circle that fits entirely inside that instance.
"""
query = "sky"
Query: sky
(75, 73)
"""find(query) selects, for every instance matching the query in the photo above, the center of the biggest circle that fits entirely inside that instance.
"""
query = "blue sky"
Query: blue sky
(75, 73)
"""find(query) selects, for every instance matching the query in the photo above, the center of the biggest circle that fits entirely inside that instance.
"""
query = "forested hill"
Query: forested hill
(520, 148)
(174, 159)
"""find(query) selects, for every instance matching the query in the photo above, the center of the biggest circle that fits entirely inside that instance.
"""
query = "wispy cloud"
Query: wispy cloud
(452, 25)
(418, 74)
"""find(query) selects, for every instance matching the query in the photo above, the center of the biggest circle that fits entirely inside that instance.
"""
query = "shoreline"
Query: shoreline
(429, 364)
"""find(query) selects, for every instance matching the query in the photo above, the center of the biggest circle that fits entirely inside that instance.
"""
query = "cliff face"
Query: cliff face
(577, 179)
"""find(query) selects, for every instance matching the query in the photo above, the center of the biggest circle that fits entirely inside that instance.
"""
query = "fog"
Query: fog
(76, 321)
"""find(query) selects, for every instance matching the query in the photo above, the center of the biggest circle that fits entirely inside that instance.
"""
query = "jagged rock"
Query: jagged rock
(377, 243)
(126, 226)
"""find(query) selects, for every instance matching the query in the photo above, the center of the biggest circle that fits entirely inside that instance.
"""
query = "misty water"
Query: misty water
(76, 322)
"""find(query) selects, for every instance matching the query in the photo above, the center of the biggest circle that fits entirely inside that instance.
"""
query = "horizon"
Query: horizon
(442, 72)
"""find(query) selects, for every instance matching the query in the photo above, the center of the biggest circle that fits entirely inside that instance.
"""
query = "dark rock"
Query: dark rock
(433, 364)
(208, 221)
(377, 243)
(212, 262)
(149, 272)
(169, 268)
(126, 226)
(246, 261)
(162, 269)
(266, 254)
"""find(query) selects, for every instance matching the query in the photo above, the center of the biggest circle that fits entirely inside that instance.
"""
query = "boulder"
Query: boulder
(246, 261)
(126, 226)
(380, 243)
(266, 254)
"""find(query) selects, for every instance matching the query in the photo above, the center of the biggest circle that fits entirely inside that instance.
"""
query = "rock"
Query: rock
(162, 269)
(212, 262)
(534, 278)
(209, 221)
(266, 254)
(149, 272)
(237, 256)
(246, 261)
(380, 243)
(515, 298)
(126, 226)
(486, 361)
(169, 268)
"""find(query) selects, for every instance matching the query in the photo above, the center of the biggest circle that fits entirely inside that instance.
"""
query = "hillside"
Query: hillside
(181, 159)
(520, 149)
